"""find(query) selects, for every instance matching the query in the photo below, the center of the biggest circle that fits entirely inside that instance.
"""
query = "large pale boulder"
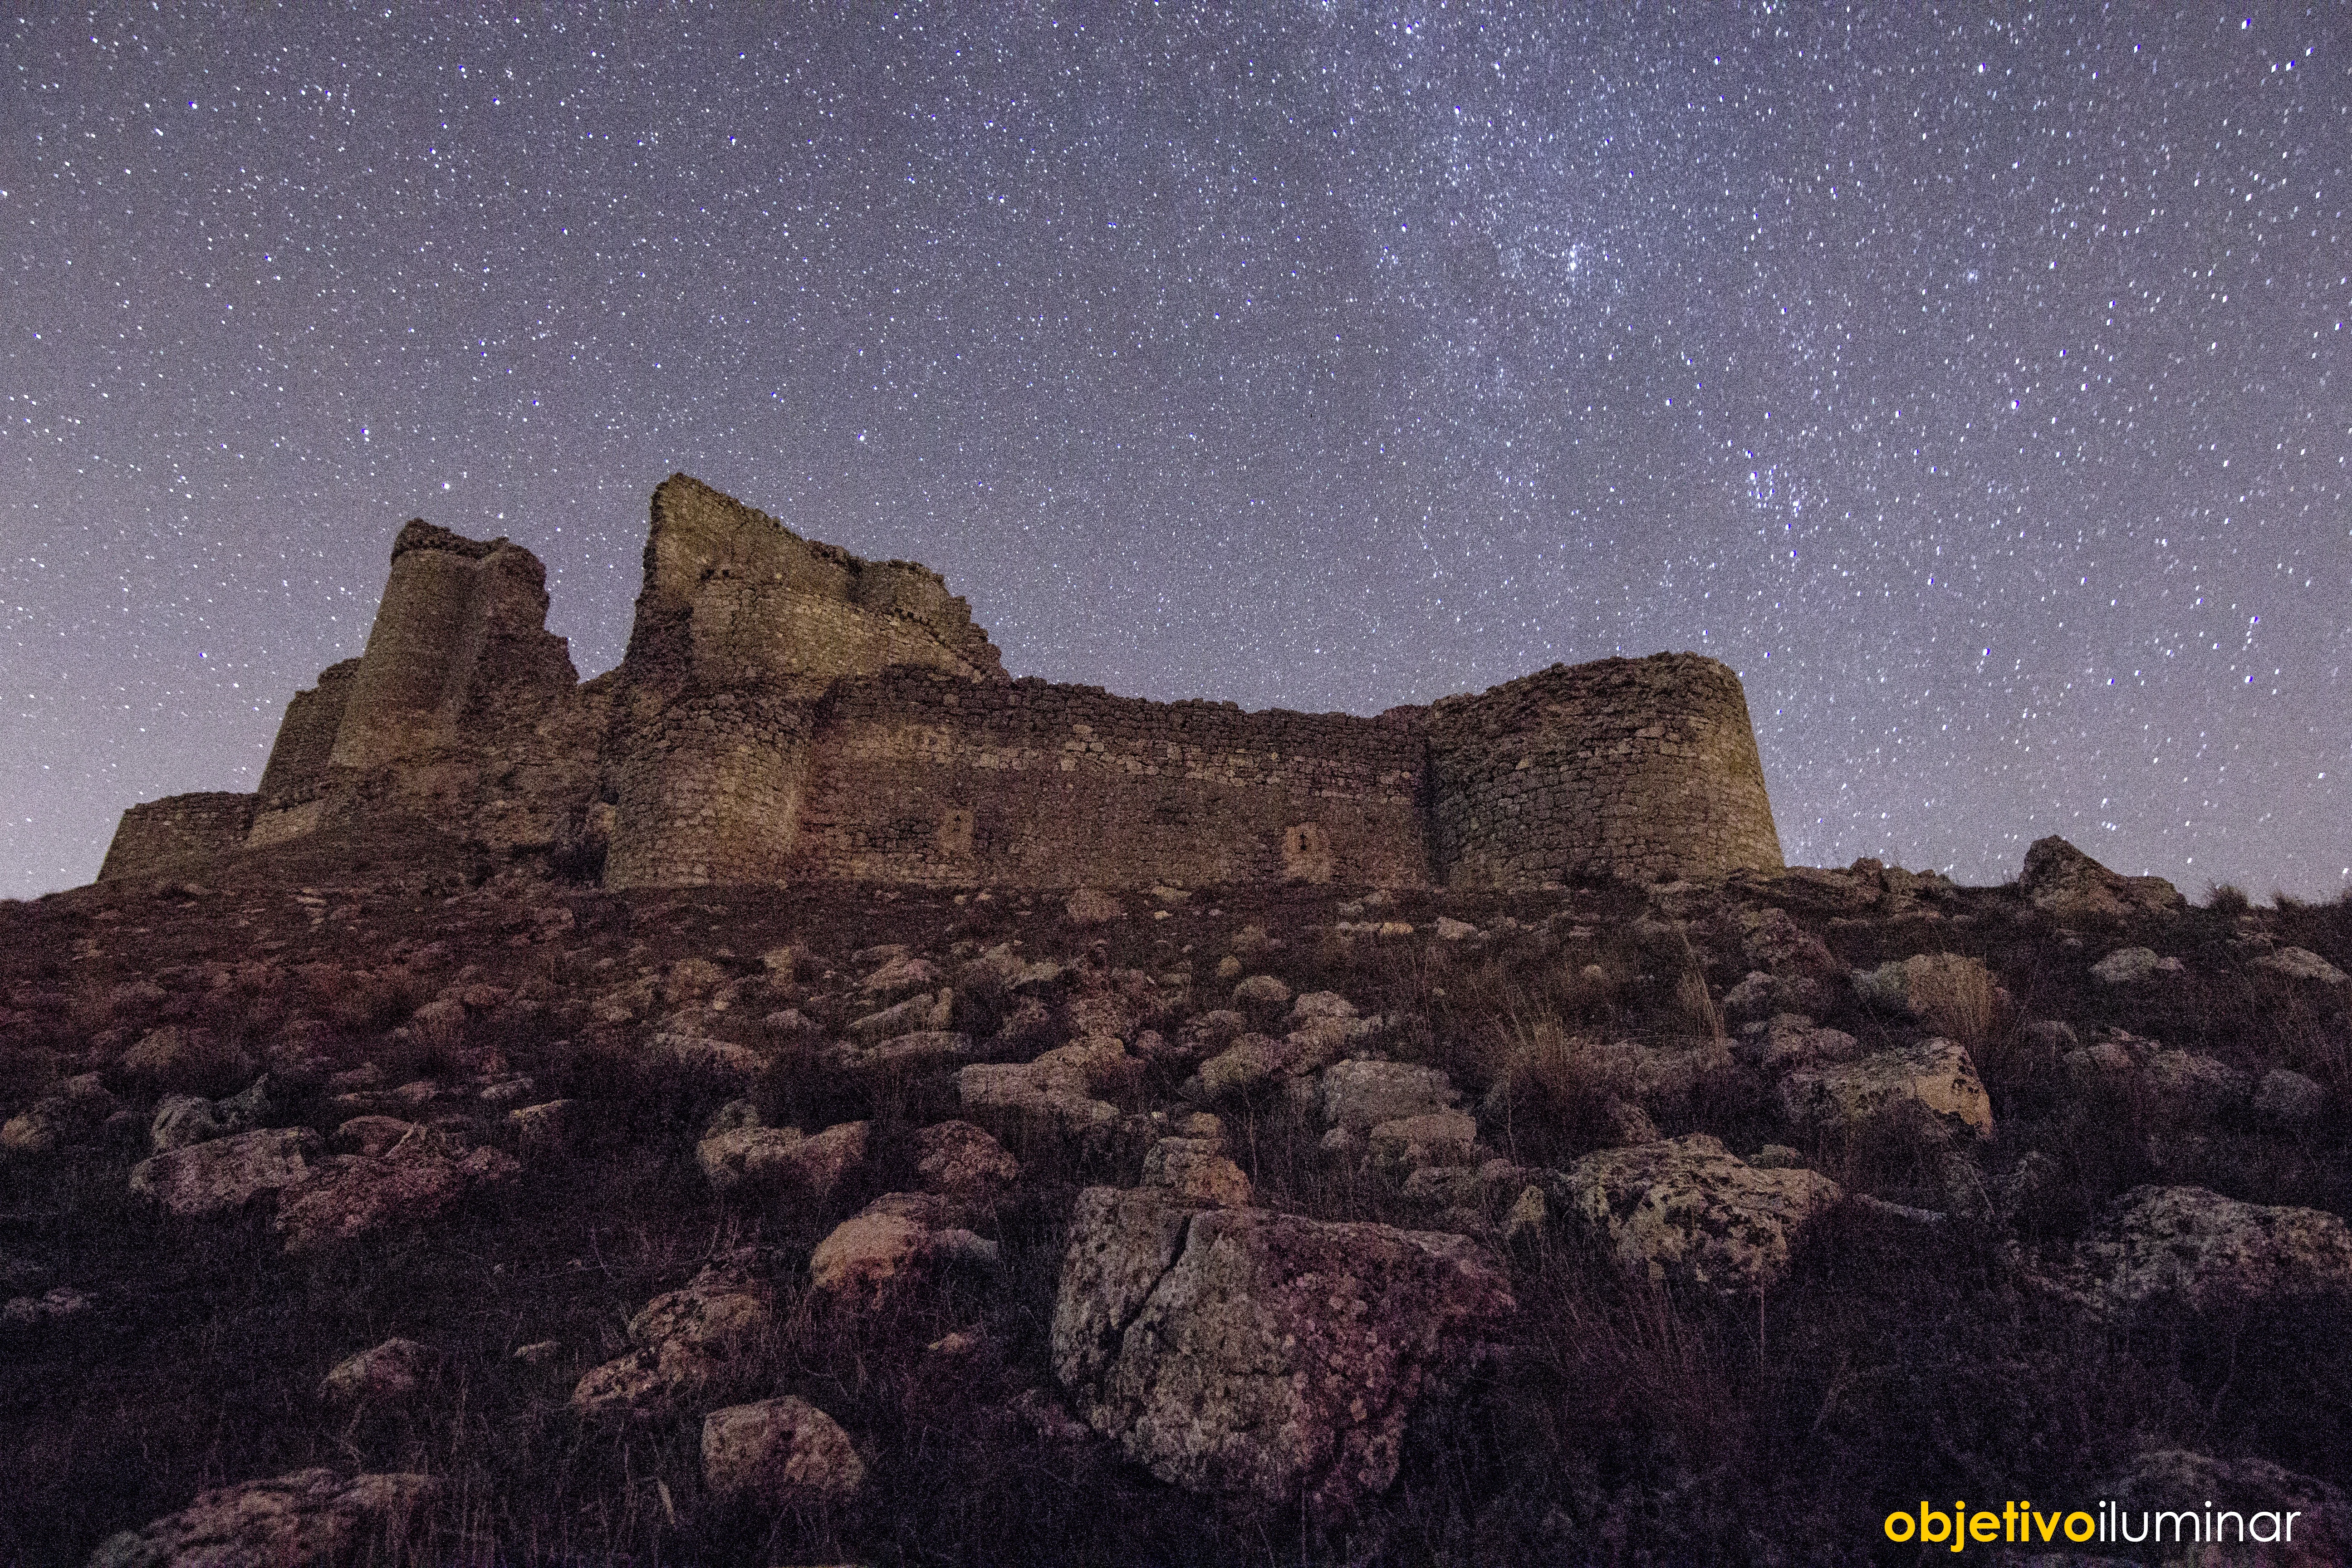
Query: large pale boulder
(2302, 964)
(2189, 1248)
(1688, 1210)
(1934, 1077)
(1263, 1356)
(1948, 992)
(310, 1517)
(686, 1339)
(219, 1177)
(779, 1453)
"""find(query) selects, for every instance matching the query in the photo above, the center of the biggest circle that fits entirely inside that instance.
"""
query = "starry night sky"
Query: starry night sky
(1971, 379)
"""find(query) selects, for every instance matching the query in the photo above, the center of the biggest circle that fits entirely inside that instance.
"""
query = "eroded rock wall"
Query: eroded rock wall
(176, 835)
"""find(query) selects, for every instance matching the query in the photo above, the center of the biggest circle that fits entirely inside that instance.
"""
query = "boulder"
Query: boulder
(1359, 1095)
(372, 1134)
(78, 1108)
(2070, 886)
(2302, 964)
(1791, 1040)
(1195, 1170)
(892, 1243)
(182, 1122)
(2188, 1248)
(2186, 1083)
(310, 1517)
(959, 1161)
(545, 1129)
(1948, 992)
(781, 1162)
(1689, 1211)
(1053, 1097)
(1934, 1077)
(2286, 1098)
(411, 1184)
(1260, 1356)
(2131, 965)
(1261, 991)
(780, 1453)
(1435, 1138)
(387, 1373)
(688, 1340)
(186, 1059)
(900, 975)
(922, 1011)
(208, 1180)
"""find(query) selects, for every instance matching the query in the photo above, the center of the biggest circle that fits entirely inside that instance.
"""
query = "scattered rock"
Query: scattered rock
(372, 1134)
(310, 1517)
(78, 1108)
(1261, 1355)
(2186, 1084)
(1449, 930)
(411, 1184)
(539, 1352)
(686, 1339)
(1051, 1099)
(1948, 992)
(1936, 1077)
(1436, 1138)
(916, 1014)
(387, 1373)
(890, 1243)
(900, 975)
(1791, 1040)
(548, 1128)
(1359, 1095)
(780, 1161)
(1195, 1170)
(1261, 991)
(2302, 964)
(2194, 1249)
(175, 1056)
(2286, 1098)
(1690, 1211)
(780, 1453)
(958, 1161)
(2131, 965)
(208, 1180)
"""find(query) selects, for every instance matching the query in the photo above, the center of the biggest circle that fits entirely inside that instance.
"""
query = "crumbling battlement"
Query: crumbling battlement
(787, 710)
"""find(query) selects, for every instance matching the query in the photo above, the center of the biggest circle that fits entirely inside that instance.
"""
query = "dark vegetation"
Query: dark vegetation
(1626, 1422)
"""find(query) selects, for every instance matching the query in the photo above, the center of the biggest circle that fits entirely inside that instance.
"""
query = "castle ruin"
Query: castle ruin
(787, 711)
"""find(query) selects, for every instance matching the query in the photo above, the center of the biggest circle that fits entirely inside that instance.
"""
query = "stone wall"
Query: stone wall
(786, 712)
(176, 835)
(918, 777)
(459, 639)
(1629, 767)
(732, 597)
(306, 737)
(709, 791)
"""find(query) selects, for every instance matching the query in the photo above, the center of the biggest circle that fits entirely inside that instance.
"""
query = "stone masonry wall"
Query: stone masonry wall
(786, 710)
(176, 835)
(732, 597)
(918, 777)
(709, 791)
(1629, 767)
(306, 736)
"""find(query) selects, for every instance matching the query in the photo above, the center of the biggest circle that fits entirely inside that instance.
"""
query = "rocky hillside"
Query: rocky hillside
(351, 1211)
